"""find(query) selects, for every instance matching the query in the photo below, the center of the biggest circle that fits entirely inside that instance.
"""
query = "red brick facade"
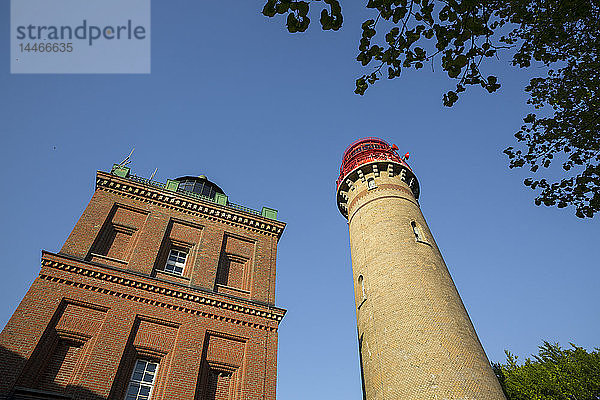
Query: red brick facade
(105, 301)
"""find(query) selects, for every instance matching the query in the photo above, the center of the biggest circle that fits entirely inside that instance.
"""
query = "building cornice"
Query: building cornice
(173, 200)
(389, 167)
(192, 298)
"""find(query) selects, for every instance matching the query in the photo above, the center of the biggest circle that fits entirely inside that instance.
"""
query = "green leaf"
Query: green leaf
(269, 8)
(450, 98)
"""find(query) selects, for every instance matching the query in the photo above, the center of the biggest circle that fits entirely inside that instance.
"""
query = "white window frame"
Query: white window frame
(174, 265)
(142, 382)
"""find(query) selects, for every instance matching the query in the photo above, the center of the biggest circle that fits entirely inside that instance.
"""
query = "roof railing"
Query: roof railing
(147, 181)
(366, 150)
(242, 208)
(161, 185)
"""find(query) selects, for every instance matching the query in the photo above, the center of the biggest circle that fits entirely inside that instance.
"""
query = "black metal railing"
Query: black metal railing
(242, 208)
(195, 195)
(146, 181)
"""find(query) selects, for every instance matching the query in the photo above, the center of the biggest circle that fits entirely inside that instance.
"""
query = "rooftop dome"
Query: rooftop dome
(199, 185)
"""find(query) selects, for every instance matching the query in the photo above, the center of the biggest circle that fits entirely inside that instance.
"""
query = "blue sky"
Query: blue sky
(266, 115)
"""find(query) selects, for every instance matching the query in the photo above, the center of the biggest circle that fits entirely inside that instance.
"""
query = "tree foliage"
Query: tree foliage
(459, 36)
(553, 374)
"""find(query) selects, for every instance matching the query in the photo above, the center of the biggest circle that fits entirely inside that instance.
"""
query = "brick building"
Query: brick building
(161, 291)
(416, 340)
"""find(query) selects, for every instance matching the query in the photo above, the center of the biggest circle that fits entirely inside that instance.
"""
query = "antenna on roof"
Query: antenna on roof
(154, 173)
(127, 160)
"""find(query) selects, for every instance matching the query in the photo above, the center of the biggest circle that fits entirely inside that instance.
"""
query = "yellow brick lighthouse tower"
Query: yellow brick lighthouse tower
(416, 340)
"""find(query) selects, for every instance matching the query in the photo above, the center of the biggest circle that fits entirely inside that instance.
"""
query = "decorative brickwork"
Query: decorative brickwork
(106, 301)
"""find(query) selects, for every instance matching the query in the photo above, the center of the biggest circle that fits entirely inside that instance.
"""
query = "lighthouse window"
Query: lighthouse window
(371, 184)
(418, 233)
(361, 283)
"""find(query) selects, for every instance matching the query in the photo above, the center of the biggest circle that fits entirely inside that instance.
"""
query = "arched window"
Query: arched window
(371, 184)
(361, 284)
(417, 231)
